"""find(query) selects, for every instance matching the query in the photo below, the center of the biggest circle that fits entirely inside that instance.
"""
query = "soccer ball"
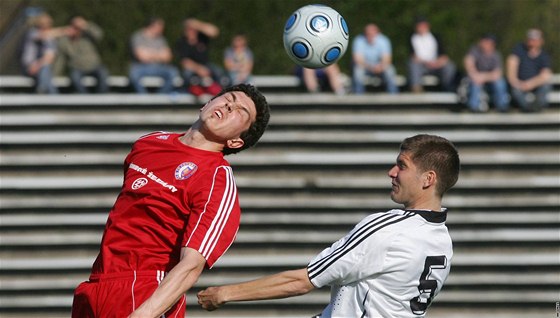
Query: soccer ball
(315, 36)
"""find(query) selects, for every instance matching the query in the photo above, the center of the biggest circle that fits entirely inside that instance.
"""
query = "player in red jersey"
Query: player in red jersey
(177, 212)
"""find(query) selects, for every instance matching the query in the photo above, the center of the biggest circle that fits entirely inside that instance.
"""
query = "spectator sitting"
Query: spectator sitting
(529, 71)
(314, 78)
(372, 55)
(80, 52)
(39, 53)
(193, 50)
(484, 67)
(238, 60)
(151, 57)
(428, 57)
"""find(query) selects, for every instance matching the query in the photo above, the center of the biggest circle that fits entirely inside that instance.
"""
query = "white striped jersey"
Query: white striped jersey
(392, 264)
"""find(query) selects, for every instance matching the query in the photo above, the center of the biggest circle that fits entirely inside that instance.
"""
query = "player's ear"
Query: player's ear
(428, 179)
(235, 143)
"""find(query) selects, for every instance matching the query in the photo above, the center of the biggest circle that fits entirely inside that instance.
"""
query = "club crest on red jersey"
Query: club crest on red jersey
(139, 183)
(185, 170)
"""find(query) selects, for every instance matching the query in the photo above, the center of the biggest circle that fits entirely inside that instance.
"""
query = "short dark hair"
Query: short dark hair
(489, 36)
(421, 19)
(152, 20)
(256, 130)
(430, 152)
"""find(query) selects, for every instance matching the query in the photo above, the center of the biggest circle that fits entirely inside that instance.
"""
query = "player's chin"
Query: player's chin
(395, 197)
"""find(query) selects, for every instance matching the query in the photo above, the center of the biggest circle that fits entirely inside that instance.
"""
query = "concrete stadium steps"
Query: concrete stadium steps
(282, 219)
(249, 260)
(80, 238)
(242, 262)
(278, 100)
(364, 158)
(45, 282)
(301, 201)
(319, 169)
(305, 305)
(344, 115)
(492, 288)
(296, 137)
(348, 181)
(282, 115)
(403, 100)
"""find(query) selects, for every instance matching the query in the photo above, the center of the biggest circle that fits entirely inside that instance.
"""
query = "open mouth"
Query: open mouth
(219, 114)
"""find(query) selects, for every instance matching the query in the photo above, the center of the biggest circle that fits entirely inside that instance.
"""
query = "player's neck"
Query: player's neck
(431, 204)
(194, 138)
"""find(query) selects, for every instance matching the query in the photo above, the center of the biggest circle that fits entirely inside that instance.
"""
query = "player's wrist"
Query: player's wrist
(223, 296)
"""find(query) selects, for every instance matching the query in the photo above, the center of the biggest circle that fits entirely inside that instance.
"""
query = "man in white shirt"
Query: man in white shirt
(392, 264)
(428, 57)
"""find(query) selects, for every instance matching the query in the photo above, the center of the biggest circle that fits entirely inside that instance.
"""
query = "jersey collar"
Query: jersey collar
(432, 216)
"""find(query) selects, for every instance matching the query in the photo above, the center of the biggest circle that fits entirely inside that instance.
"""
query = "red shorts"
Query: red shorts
(117, 295)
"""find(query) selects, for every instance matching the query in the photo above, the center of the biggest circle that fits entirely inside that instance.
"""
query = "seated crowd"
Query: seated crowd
(526, 75)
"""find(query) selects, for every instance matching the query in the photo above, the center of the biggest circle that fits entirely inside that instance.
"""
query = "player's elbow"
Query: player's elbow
(300, 284)
(303, 287)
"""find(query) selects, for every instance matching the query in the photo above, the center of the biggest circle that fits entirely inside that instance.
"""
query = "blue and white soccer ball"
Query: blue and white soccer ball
(315, 36)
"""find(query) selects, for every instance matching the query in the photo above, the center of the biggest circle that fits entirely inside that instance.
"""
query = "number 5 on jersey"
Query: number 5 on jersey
(427, 287)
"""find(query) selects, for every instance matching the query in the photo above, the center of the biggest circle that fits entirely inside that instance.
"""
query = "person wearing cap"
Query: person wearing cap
(429, 57)
(529, 72)
(484, 67)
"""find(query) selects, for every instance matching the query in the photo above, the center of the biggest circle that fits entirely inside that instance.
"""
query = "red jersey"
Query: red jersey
(173, 196)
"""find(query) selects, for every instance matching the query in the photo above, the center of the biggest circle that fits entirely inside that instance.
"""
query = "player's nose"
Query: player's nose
(392, 173)
(229, 107)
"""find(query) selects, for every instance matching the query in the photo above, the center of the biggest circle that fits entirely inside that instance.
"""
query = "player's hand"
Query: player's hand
(209, 298)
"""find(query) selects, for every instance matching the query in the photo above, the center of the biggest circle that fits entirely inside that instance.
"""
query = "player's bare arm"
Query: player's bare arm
(180, 279)
(281, 285)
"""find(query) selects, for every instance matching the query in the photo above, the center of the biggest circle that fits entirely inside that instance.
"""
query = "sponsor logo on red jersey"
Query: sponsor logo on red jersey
(185, 170)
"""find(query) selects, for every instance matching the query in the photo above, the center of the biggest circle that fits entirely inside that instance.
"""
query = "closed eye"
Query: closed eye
(240, 106)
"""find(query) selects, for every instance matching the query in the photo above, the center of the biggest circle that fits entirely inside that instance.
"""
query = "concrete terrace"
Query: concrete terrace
(318, 170)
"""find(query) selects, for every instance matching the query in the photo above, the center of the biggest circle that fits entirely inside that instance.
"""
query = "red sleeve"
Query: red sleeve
(214, 221)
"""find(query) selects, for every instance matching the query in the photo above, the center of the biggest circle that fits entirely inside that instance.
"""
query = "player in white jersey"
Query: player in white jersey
(392, 264)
